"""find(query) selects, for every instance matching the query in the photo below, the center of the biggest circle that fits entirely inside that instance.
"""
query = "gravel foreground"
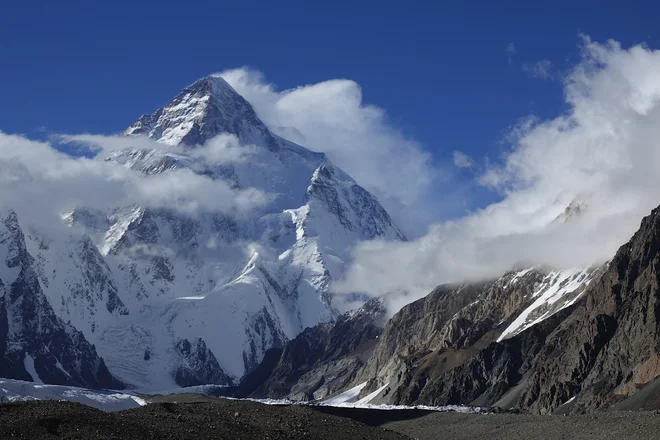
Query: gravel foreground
(612, 425)
(204, 418)
(221, 419)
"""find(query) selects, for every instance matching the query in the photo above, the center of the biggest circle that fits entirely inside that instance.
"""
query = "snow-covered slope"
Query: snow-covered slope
(34, 343)
(556, 291)
(111, 401)
(461, 340)
(20, 391)
(177, 297)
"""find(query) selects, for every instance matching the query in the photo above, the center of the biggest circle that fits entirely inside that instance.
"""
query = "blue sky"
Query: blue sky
(452, 76)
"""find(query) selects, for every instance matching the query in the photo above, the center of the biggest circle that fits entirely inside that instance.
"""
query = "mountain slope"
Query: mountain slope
(172, 296)
(319, 361)
(568, 341)
(607, 350)
(35, 345)
(462, 344)
(202, 111)
(432, 337)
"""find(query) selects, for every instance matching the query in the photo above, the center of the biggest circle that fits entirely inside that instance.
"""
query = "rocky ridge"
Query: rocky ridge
(35, 344)
(545, 341)
(320, 361)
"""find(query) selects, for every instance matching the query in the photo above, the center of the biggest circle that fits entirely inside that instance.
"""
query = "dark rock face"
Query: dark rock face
(438, 333)
(608, 348)
(264, 334)
(319, 361)
(31, 336)
(97, 279)
(487, 376)
(198, 365)
(443, 349)
(326, 379)
(600, 351)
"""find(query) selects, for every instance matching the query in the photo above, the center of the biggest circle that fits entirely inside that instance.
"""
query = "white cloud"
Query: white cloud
(96, 143)
(41, 183)
(462, 160)
(604, 152)
(331, 117)
(224, 148)
(511, 51)
(541, 69)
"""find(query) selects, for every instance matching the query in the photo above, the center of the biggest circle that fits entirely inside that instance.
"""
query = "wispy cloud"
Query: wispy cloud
(541, 69)
(224, 148)
(331, 117)
(41, 183)
(462, 160)
(511, 51)
(603, 152)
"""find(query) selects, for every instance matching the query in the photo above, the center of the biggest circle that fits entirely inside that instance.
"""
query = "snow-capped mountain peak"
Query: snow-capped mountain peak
(169, 297)
(202, 111)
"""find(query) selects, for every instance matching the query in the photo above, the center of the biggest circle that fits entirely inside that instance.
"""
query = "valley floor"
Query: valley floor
(455, 426)
(202, 418)
(195, 416)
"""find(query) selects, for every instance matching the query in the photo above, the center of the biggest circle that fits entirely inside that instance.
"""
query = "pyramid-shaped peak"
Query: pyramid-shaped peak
(203, 110)
(215, 86)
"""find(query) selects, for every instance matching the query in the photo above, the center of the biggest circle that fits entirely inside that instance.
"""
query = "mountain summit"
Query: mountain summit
(202, 111)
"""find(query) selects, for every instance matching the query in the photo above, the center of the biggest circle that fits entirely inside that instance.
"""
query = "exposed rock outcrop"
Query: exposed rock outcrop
(594, 342)
(474, 343)
(608, 348)
(198, 365)
(320, 361)
(36, 345)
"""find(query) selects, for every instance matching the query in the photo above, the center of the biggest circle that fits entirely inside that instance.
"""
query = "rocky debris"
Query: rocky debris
(208, 419)
(607, 425)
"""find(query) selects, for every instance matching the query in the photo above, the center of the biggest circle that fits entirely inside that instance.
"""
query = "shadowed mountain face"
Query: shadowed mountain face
(36, 345)
(319, 361)
(607, 349)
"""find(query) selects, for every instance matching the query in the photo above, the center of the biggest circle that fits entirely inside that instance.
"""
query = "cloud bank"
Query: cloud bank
(603, 153)
(42, 183)
(330, 117)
